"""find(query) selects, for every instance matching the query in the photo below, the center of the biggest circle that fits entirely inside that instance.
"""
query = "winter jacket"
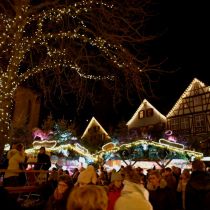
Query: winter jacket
(198, 191)
(14, 163)
(162, 197)
(88, 176)
(57, 201)
(43, 162)
(113, 195)
(133, 197)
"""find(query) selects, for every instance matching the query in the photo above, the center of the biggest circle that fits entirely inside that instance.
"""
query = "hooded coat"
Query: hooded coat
(133, 197)
(88, 176)
(162, 197)
(198, 191)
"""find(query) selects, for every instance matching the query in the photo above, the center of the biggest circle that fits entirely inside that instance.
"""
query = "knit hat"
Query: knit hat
(88, 176)
(116, 177)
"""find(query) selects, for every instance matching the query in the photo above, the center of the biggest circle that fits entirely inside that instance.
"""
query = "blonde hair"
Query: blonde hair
(88, 197)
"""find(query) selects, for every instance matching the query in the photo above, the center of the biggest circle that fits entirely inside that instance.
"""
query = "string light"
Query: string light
(15, 42)
(113, 149)
(152, 143)
(76, 147)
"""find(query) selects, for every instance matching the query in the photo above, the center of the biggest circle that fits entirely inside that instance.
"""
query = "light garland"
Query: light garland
(46, 143)
(14, 41)
(169, 143)
(99, 155)
(152, 143)
(77, 148)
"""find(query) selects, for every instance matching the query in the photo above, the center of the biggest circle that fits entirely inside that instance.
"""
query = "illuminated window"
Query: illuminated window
(96, 128)
(141, 114)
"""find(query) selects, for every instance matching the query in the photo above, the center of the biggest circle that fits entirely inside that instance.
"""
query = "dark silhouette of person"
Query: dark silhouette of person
(7, 201)
(198, 188)
(43, 163)
(43, 160)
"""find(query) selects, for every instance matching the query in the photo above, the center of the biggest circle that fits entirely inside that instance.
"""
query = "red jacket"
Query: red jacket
(113, 195)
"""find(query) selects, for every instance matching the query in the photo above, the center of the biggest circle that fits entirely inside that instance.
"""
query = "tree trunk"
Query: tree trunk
(6, 102)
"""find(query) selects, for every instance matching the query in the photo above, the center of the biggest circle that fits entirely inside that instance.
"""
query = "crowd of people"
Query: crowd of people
(127, 189)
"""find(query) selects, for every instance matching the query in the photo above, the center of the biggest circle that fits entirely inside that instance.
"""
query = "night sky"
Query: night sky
(185, 44)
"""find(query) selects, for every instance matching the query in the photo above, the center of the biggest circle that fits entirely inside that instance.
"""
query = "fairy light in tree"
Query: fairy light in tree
(15, 42)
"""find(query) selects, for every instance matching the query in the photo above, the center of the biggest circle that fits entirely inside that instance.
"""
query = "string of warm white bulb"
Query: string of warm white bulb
(14, 41)
(99, 155)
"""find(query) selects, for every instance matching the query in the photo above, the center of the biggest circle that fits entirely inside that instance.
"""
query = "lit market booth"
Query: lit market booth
(62, 147)
(147, 154)
(141, 153)
(66, 156)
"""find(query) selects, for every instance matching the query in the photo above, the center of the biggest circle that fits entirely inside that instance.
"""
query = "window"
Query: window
(185, 123)
(149, 112)
(174, 124)
(199, 121)
(96, 128)
(141, 114)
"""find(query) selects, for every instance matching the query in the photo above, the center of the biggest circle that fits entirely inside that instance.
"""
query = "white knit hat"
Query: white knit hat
(88, 176)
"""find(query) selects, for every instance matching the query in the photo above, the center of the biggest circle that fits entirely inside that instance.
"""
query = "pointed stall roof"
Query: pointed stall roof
(91, 123)
(186, 93)
(140, 108)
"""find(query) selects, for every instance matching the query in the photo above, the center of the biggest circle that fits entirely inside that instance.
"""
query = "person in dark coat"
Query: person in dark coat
(43, 163)
(7, 201)
(198, 188)
(161, 196)
(43, 160)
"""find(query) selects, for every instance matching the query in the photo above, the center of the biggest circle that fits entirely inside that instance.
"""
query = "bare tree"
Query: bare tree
(51, 41)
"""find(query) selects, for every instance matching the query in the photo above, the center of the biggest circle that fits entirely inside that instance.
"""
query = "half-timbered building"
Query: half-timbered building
(190, 116)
